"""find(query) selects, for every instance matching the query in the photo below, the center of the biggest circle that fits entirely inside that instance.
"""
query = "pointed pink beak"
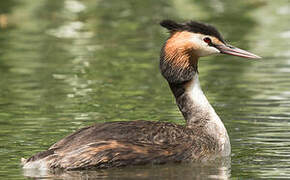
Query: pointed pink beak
(231, 50)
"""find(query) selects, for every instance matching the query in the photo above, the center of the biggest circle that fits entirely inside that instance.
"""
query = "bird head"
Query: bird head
(199, 40)
(189, 41)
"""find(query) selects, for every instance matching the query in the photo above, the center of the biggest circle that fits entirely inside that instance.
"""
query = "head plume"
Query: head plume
(192, 26)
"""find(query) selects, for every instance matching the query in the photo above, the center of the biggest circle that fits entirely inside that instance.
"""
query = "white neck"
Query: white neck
(199, 113)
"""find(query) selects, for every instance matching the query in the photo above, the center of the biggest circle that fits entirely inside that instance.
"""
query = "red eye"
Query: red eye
(207, 40)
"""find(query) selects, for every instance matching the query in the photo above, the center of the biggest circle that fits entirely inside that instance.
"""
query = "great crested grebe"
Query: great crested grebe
(115, 144)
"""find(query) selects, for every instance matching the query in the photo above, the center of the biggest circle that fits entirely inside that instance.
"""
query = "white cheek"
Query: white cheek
(208, 50)
(196, 41)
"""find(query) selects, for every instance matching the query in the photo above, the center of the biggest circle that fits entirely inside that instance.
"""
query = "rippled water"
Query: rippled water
(66, 64)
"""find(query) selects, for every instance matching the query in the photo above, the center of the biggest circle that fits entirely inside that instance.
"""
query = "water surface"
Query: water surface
(66, 64)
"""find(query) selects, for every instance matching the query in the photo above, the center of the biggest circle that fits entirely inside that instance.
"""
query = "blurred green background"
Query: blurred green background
(66, 64)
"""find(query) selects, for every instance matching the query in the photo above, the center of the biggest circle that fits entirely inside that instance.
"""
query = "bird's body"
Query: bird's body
(138, 142)
(115, 144)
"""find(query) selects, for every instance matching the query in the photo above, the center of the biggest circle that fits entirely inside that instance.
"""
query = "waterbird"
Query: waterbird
(114, 144)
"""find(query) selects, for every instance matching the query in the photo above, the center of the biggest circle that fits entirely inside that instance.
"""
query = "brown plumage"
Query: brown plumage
(178, 50)
(115, 144)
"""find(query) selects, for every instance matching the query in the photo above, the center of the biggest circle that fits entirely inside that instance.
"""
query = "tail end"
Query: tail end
(23, 161)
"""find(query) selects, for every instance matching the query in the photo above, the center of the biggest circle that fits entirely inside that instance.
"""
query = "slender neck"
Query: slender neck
(193, 104)
(179, 66)
(198, 112)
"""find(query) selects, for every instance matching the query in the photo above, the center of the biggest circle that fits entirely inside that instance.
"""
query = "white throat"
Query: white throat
(204, 116)
(194, 91)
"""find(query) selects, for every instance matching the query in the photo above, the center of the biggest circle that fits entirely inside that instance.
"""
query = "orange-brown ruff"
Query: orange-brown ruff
(115, 144)
(179, 51)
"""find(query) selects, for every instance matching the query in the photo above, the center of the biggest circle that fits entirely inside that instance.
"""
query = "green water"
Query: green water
(66, 64)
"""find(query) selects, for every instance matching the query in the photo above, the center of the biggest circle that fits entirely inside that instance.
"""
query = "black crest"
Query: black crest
(192, 26)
